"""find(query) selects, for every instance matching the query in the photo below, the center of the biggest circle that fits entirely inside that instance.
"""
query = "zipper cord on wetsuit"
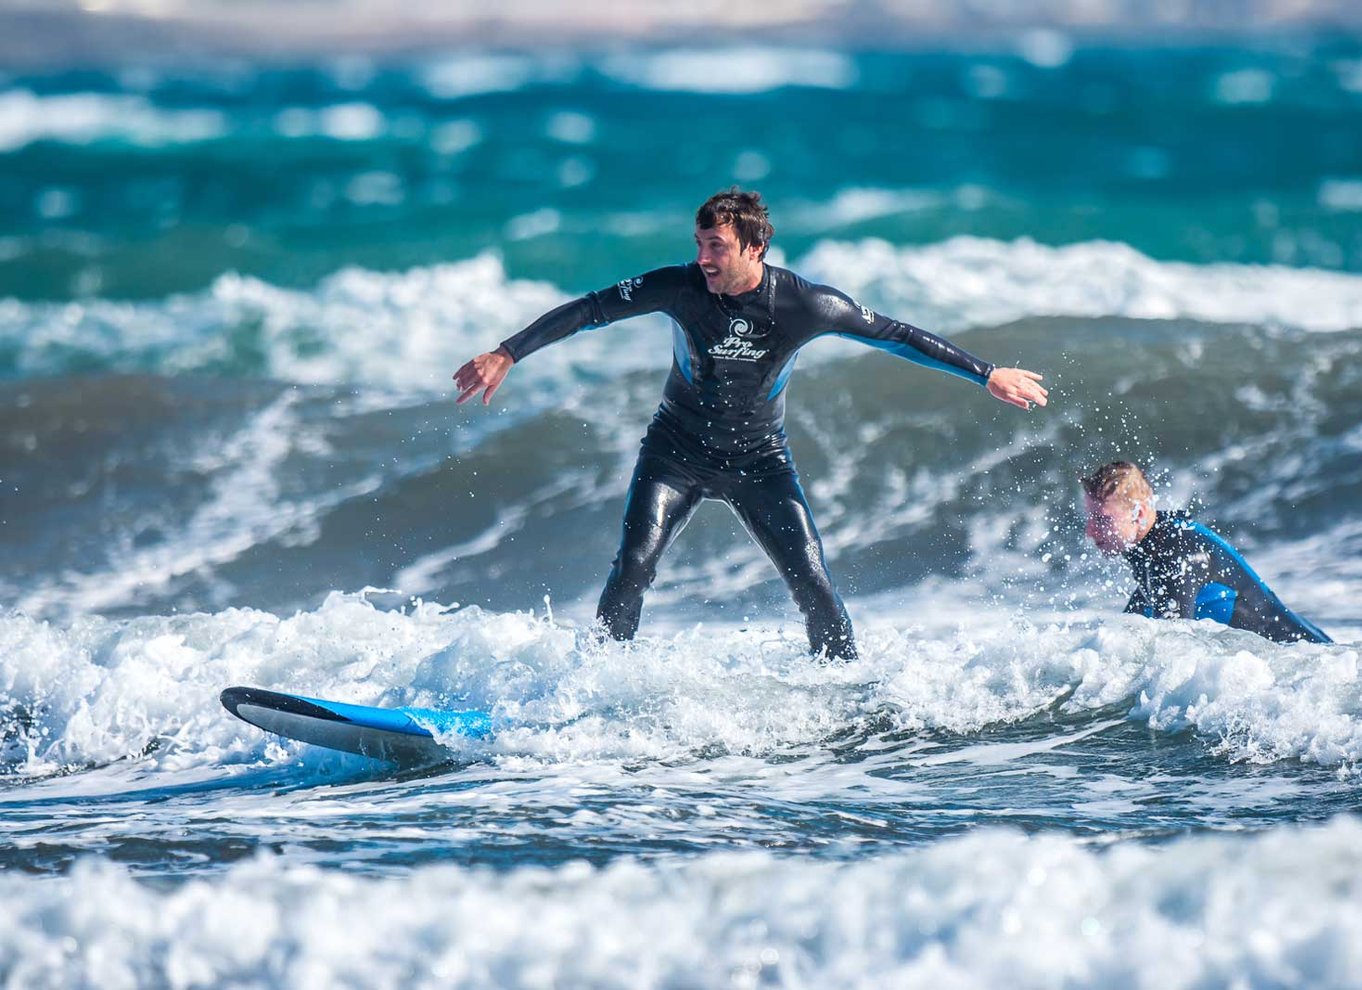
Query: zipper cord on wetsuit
(770, 298)
(725, 306)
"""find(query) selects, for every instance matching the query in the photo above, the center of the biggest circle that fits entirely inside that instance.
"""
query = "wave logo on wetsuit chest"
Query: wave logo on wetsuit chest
(737, 345)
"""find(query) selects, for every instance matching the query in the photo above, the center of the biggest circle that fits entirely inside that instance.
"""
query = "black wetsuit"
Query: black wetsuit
(719, 432)
(1185, 571)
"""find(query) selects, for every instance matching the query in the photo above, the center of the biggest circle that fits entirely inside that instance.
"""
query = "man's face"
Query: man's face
(1114, 523)
(728, 266)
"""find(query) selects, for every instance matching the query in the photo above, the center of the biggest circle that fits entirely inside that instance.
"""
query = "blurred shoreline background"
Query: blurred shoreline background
(64, 32)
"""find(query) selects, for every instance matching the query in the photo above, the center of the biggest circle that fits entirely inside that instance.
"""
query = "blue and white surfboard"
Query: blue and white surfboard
(405, 736)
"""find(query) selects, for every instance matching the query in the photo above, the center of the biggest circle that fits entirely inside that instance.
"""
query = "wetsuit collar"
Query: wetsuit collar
(1164, 519)
(1139, 552)
(743, 297)
(765, 292)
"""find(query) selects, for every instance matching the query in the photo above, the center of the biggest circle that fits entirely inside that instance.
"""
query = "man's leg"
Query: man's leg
(658, 506)
(775, 512)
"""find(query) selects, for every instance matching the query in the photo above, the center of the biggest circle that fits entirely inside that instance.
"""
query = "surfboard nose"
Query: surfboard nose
(404, 736)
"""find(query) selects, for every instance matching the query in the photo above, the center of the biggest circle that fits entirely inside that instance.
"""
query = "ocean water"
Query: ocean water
(232, 294)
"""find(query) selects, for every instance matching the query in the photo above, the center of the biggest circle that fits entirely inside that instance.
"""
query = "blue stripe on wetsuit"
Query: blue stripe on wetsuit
(1234, 555)
(783, 378)
(909, 353)
(681, 351)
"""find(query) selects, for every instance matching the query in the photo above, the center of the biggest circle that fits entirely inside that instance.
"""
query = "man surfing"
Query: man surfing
(1183, 570)
(719, 433)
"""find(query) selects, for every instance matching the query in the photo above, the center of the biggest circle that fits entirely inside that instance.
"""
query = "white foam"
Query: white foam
(1045, 48)
(536, 223)
(745, 69)
(408, 331)
(1244, 86)
(342, 122)
(736, 69)
(102, 690)
(995, 908)
(858, 204)
(97, 689)
(1349, 74)
(79, 118)
(571, 127)
(1342, 195)
(968, 281)
(405, 332)
(474, 73)
(454, 137)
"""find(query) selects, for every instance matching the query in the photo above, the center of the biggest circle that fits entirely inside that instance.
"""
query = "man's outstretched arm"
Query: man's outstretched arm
(646, 293)
(485, 373)
(1015, 386)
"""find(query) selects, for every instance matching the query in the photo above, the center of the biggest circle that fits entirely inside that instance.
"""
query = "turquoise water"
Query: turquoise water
(146, 181)
(231, 298)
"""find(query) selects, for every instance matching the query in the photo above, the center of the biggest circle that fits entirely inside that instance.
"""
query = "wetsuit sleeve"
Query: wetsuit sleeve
(842, 315)
(651, 292)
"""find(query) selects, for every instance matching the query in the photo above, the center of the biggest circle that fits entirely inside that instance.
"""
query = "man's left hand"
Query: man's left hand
(1017, 386)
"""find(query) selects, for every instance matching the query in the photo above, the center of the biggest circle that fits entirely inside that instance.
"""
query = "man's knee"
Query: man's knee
(812, 589)
(634, 567)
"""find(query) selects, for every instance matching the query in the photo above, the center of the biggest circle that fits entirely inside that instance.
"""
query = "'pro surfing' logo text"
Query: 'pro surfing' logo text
(737, 345)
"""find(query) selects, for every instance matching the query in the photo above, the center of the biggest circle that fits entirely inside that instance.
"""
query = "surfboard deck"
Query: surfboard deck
(404, 736)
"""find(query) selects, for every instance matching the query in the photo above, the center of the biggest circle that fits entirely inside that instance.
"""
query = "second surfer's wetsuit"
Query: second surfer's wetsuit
(1185, 571)
(719, 432)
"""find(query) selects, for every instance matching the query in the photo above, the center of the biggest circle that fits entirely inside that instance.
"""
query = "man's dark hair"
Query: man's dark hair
(744, 210)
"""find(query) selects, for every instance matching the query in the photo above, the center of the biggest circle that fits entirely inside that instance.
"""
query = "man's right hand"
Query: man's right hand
(484, 374)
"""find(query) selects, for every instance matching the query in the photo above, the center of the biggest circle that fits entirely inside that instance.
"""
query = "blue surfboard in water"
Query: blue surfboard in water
(405, 736)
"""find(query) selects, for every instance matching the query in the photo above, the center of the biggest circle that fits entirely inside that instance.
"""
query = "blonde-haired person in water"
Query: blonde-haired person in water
(1183, 570)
